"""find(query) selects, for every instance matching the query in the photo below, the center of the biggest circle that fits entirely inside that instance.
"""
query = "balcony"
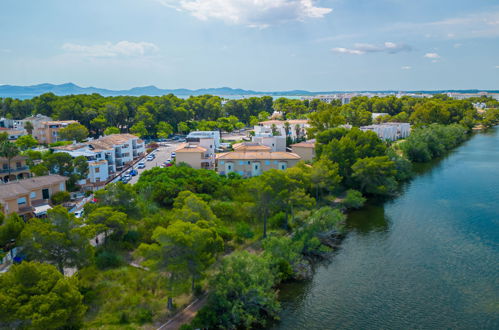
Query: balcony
(14, 169)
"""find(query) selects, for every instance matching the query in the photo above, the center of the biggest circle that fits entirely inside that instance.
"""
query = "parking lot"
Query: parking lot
(163, 153)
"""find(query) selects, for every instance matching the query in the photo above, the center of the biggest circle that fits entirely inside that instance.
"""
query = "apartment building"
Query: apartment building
(390, 131)
(297, 127)
(48, 131)
(18, 169)
(105, 156)
(305, 149)
(254, 163)
(30, 197)
(275, 143)
(215, 135)
(195, 156)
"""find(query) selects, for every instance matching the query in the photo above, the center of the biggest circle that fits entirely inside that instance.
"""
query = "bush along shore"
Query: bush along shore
(180, 233)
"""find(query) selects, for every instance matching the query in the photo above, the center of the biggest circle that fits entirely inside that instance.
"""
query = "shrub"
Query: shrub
(353, 199)
(243, 231)
(60, 197)
(278, 220)
(108, 259)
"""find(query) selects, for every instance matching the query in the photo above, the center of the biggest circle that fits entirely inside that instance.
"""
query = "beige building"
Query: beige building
(305, 149)
(18, 169)
(30, 197)
(250, 146)
(48, 131)
(253, 163)
(195, 156)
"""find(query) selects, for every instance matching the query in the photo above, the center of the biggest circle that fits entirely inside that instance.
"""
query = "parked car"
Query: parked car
(149, 158)
(79, 213)
(174, 154)
(141, 165)
(133, 172)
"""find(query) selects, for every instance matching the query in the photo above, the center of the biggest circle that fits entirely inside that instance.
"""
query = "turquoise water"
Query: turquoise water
(428, 259)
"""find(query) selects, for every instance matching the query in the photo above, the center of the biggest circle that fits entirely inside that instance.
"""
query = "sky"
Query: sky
(263, 45)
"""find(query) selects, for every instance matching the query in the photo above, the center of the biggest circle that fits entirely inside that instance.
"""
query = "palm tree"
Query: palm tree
(8, 150)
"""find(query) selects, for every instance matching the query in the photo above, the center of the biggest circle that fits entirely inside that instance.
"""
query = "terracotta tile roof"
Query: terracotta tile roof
(281, 122)
(13, 189)
(262, 155)
(250, 146)
(115, 139)
(71, 147)
(305, 144)
(54, 122)
(191, 148)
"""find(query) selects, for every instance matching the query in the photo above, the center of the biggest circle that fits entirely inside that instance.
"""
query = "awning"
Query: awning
(41, 210)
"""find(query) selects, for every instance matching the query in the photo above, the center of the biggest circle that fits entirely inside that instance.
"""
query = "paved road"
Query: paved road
(163, 153)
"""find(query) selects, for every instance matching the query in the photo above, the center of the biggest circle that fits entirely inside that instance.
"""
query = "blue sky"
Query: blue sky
(253, 44)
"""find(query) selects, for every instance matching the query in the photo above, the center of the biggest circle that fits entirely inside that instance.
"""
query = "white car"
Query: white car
(79, 213)
(141, 165)
(149, 158)
(174, 154)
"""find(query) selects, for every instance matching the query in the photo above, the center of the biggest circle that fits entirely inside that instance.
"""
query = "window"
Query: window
(267, 162)
(97, 170)
(249, 162)
(32, 194)
(61, 186)
(5, 166)
(21, 201)
(241, 162)
(229, 167)
(256, 167)
(222, 162)
(46, 193)
(18, 164)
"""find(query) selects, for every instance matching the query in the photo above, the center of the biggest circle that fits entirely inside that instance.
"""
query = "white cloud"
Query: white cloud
(252, 13)
(406, 67)
(432, 55)
(362, 48)
(121, 48)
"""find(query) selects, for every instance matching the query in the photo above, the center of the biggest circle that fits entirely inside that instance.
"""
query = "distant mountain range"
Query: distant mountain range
(24, 92)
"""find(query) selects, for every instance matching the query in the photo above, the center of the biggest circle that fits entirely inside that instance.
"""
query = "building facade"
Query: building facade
(305, 149)
(254, 163)
(30, 197)
(48, 131)
(18, 169)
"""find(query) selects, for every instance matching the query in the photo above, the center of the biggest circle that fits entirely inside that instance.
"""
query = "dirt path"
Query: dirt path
(185, 316)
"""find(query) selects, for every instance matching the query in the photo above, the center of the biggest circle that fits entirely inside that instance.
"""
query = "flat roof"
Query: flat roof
(191, 148)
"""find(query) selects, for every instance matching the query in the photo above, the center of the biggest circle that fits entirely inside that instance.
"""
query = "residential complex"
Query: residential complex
(17, 169)
(48, 131)
(254, 163)
(297, 128)
(305, 149)
(105, 156)
(390, 131)
(30, 197)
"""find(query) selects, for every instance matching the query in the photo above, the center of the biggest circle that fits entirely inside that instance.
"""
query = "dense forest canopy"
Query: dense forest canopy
(158, 115)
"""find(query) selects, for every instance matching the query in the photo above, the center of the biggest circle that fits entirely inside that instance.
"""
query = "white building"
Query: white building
(215, 135)
(297, 127)
(105, 155)
(275, 143)
(390, 131)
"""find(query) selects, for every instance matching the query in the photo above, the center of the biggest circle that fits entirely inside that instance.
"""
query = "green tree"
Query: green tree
(375, 175)
(241, 295)
(8, 150)
(80, 165)
(324, 175)
(182, 127)
(26, 142)
(111, 130)
(28, 126)
(60, 197)
(58, 239)
(74, 132)
(37, 296)
(181, 249)
(353, 199)
(106, 219)
(164, 130)
(39, 170)
(59, 163)
(139, 129)
(11, 229)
